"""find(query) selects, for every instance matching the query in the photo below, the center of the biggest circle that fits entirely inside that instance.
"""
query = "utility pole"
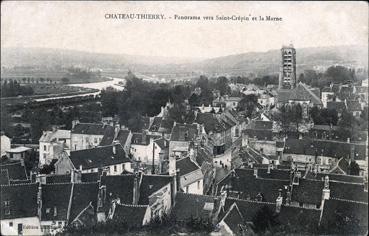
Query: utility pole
(153, 158)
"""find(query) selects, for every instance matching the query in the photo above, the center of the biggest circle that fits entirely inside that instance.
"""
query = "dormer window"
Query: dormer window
(7, 207)
(48, 210)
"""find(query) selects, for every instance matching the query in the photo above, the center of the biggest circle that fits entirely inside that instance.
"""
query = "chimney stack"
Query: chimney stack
(256, 172)
(136, 187)
(279, 201)
(326, 190)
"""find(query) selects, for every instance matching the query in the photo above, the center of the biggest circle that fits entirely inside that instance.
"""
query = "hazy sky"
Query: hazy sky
(82, 26)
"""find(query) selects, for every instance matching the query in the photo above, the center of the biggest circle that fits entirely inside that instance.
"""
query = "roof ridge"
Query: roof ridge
(245, 200)
(8, 185)
(132, 205)
(9, 164)
(347, 200)
(64, 183)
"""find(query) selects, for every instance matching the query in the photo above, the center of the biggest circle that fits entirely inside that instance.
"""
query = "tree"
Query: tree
(248, 103)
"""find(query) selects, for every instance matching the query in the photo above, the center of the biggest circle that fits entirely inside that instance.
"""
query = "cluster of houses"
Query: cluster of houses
(223, 168)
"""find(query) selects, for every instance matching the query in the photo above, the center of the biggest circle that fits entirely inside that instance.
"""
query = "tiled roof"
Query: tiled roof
(89, 128)
(210, 122)
(347, 217)
(98, 157)
(49, 136)
(83, 195)
(16, 171)
(329, 148)
(166, 126)
(260, 134)
(108, 137)
(4, 177)
(162, 143)
(274, 174)
(55, 197)
(119, 186)
(186, 166)
(353, 106)
(123, 136)
(260, 124)
(233, 218)
(51, 179)
(300, 93)
(336, 177)
(306, 220)
(132, 215)
(348, 191)
(90, 177)
(194, 206)
(22, 201)
(184, 132)
(203, 155)
(137, 138)
(308, 191)
(150, 184)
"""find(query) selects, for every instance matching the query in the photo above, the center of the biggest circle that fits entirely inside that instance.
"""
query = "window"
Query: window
(198, 184)
(59, 223)
(10, 224)
(187, 189)
(123, 167)
(115, 168)
(44, 147)
(95, 140)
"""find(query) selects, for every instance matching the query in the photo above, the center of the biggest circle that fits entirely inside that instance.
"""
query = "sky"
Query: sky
(82, 26)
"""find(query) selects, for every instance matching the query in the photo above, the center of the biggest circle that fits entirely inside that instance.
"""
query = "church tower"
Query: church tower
(287, 74)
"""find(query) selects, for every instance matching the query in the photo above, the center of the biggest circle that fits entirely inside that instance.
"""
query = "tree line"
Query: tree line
(11, 88)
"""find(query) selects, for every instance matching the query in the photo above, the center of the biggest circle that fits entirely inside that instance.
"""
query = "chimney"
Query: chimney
(326, 190)
(80, 167)
(114, 149)
(270, 167)
(278, 202)
(39, 200)
(256, 172)
(136, 187)
(288, 197)
(74, 123)
(348, 140)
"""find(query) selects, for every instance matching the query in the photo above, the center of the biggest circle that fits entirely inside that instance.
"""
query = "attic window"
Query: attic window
(47, 210)
(150, 186)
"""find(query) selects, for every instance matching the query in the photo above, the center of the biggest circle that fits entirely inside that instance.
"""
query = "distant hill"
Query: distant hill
(306, 58)
(252, 62)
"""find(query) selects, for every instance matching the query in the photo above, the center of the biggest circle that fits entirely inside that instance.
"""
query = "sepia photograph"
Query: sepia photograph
(184, 118)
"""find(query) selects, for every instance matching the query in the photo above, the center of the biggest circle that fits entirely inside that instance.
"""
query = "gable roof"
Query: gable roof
(184, 132)
(348, 217)
(83, 195)
(49, 136)
(233, 218)
(189, 206)
(119, 186)
(89, 128)
(108, 137)
(22, 201)
(151, 184)
(16, 171)
(301, 93)
(210, 122)
(122, 136)
(132, 215)
(56, 197)
(308, 191)
(99, 157)
(186, 166)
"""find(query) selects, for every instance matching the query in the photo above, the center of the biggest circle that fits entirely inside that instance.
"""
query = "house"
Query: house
(13, 171)
(112, 159)
(88, 135)
(327, 95)
(52, 144)
(67, 203)
(226, 102)
(192, 206)
(5, 144)
(302, 94)
(146, 150)
(124, 137)
(19, 210)
(190, 176)
(145, 197)
(354, 107)
(181, 137)
(19, 153)
(232, 223)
